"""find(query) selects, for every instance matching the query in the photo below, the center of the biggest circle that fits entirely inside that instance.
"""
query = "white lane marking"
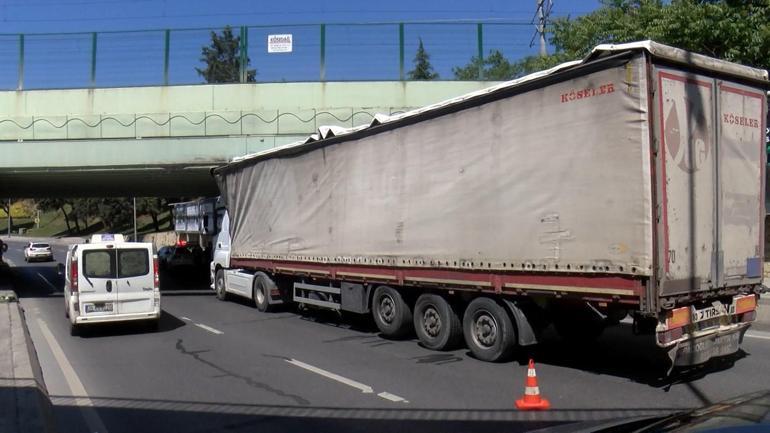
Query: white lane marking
(366, 389)
(9, 262)
(86, 405)
(209, 328)
(185, 318)
(758, 334)
(46, 281)
(392, 397)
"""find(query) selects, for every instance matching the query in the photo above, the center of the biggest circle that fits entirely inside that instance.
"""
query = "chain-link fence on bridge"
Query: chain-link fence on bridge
(319, 52)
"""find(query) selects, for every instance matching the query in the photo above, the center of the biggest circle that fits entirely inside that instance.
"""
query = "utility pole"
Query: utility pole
(135, 239)
(542, 14)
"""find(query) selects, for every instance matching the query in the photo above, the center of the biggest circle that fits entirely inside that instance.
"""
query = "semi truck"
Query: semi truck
(629, 183)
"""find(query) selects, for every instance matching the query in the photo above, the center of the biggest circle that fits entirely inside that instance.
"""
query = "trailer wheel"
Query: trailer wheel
(261, 292)
(436, 323)
(219, 285)
(392, 315)
(489, 331)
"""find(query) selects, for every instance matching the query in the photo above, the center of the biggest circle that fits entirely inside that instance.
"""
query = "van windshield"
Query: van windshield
(102, 263)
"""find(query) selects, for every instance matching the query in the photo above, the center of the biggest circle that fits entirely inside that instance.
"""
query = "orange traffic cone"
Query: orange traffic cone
(531, 399)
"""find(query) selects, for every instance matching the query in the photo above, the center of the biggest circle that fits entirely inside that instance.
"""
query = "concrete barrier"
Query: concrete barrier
(24, 403)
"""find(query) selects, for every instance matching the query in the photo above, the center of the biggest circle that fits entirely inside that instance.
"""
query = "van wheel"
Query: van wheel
(436, 323)
(392, 315)
(66, 311)
(489, 332)
(219, 285)
(261, 292)
(74, 330)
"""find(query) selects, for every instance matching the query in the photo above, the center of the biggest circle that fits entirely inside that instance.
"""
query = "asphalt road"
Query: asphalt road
(223, 366)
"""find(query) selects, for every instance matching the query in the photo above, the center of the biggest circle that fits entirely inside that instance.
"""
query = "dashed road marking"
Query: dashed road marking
(46, 281)
(185, 318)
(758, 334)
(209, 328)
(366, 389)
(392, 397)
(86, 405)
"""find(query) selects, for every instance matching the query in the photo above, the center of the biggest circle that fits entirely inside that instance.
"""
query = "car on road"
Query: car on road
(111, 280)
(38, 251)
(180, 255)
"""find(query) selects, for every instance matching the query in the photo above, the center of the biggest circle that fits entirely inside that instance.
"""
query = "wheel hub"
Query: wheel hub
(431, 322)
(387, 309)
(485, 330)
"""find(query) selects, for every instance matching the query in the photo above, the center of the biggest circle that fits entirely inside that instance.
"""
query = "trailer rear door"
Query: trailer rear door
(711, 169)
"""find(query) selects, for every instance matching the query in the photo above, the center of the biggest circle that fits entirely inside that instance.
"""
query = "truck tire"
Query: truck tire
(391, 313)
(436, 323)
(219, 285)
(260, 293)
(74, 330)
(489, 331)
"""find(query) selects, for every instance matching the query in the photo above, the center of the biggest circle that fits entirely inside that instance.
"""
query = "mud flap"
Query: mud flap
(524, 332)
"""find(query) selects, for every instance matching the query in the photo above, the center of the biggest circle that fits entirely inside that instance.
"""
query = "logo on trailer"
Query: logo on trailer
(689, 149)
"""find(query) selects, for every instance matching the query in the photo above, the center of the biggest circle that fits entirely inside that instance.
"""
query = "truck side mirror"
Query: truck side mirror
(60, 268)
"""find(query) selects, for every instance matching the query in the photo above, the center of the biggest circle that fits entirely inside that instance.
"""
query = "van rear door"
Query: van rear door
(136, 279)
(96, 282)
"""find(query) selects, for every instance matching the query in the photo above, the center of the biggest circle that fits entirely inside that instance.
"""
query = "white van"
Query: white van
(111, 280)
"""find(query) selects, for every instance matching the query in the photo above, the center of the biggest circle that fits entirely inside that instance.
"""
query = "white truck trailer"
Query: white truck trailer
(629, 182)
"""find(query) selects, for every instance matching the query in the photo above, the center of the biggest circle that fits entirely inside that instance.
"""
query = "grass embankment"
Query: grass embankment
(52, 224)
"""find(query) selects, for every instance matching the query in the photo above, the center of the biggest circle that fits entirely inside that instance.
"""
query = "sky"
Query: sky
(355, 48)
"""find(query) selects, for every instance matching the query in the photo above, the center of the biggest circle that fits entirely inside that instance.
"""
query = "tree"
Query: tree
(495, 67)
(153, 207)
(223, 59)
(53, 204)
(735, 30)
(423, 70)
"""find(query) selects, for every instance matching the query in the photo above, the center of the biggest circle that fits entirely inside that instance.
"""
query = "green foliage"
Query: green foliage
(423, 70)
(495, 67)
(223, 59)
(735, 30)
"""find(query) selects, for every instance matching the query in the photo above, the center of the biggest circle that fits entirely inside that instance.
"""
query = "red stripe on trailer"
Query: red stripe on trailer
(497, 281)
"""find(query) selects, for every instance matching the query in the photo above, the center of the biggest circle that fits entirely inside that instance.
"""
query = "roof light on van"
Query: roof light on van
(107, 237)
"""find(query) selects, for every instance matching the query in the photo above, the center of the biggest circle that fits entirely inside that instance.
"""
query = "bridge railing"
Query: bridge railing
(319, 52)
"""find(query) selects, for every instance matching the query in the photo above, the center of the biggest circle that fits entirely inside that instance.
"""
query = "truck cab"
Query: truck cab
(110, 280)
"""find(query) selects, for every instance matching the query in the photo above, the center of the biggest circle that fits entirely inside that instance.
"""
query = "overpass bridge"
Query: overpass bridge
(163, 140)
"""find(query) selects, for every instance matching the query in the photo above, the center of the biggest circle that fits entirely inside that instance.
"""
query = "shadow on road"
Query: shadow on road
(621, 353)
(168, 322)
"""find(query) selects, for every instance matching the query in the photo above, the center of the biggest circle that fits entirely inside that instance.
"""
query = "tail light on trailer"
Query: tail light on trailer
(678, 317)
(155, 272)
(74, 275)
(745, 303)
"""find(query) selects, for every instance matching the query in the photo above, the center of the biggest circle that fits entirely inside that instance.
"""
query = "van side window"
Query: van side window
(99, 264)
(133, 263)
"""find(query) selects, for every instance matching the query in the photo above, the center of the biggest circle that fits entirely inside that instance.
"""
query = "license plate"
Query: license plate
(715, 310)
(105, 307)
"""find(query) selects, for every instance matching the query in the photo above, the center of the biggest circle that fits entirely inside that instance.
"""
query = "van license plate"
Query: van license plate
(103, 307)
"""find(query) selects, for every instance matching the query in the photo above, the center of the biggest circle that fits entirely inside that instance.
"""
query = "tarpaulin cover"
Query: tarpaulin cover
(556, 178)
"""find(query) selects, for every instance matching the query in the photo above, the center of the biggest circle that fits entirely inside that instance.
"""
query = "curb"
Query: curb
(26, 406)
